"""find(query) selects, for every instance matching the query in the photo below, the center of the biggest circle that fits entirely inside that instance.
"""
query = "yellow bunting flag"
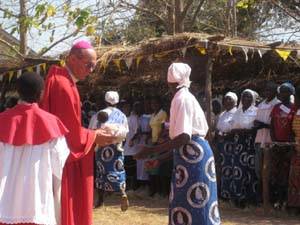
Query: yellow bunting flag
(29, 69)
(138, 60)
(201, 50)
(128, 62)
(62, 62)
(10, 75)
(43, 65)
(118, 64)
(284, 54)
(230, 50)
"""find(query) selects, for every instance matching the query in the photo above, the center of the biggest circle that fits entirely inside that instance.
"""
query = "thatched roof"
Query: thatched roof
(9, 56)
(231, 68)
(167, 44)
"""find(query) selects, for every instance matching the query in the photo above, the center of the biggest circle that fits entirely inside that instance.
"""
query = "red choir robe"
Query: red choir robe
(61, 98)
(27, 124)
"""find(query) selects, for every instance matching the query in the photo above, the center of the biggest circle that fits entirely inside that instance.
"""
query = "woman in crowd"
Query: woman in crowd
(110, 174)
(129, 146)
(243, 186)
(144, 137)
(157, 119)
(294, 176)
(193, 197)
(224, 126)
(281, 133)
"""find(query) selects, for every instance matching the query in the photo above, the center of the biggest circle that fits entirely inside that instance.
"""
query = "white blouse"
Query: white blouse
(133, 125)
(244, 119)
(30, 182)
(225, 121)
(264, 110)
(186, 115)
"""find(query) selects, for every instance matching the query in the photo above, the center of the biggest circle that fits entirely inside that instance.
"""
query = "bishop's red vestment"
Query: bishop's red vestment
(61, 98)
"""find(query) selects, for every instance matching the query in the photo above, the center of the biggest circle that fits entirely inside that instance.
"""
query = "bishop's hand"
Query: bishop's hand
(104, 137)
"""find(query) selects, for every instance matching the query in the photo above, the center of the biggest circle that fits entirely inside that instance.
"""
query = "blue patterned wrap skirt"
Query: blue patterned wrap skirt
(110, 174)
(193, 198)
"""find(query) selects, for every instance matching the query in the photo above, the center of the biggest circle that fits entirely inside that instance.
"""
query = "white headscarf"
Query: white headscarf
(180, 73)
(254, 96)
(112, 97)
(233, 96)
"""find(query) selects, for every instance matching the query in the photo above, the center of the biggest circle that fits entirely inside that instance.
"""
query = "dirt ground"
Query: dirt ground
(153, 211)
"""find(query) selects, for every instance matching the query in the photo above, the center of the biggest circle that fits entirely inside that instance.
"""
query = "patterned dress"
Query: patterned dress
(193, 197)
(110, 174)
(239, 181)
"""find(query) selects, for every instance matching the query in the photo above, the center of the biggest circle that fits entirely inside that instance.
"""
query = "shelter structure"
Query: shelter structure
(218, 64)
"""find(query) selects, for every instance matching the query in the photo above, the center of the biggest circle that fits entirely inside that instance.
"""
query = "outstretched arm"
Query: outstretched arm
(178, 141)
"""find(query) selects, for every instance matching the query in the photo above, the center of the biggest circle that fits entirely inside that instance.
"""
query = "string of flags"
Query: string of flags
(40, 68)
(202, 50)
(131, 60)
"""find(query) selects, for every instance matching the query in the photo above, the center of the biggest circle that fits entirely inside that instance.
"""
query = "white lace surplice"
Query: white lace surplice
(30, 182)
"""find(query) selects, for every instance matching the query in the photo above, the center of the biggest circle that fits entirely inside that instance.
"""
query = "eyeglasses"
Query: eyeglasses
(90, 65)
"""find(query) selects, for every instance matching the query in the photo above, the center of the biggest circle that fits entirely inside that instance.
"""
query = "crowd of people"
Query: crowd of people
(141, 123)
(257, 148)
(50, 163)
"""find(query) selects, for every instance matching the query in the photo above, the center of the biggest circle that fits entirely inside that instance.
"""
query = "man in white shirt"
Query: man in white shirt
(263, 137)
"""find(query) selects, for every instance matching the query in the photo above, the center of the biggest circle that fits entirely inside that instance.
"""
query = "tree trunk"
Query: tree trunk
(228, 19)
(178, 20)
(234, 19)
(23, 27)
(171, 13)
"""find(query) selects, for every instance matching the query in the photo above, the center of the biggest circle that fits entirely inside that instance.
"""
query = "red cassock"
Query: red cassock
(61, 98)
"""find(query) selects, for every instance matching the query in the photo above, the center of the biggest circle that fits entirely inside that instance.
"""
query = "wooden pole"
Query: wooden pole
(265, 179)
(208, 92)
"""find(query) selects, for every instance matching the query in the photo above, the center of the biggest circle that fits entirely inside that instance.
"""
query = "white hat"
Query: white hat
(112, 97)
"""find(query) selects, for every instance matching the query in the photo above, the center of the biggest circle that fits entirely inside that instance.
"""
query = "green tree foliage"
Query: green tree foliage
(252, 19)
(44, 17)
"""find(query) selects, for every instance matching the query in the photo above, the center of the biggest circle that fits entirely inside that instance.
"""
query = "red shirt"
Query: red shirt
(282, 118)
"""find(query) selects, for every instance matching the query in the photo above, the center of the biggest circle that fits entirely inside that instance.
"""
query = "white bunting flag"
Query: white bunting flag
(128, 62)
